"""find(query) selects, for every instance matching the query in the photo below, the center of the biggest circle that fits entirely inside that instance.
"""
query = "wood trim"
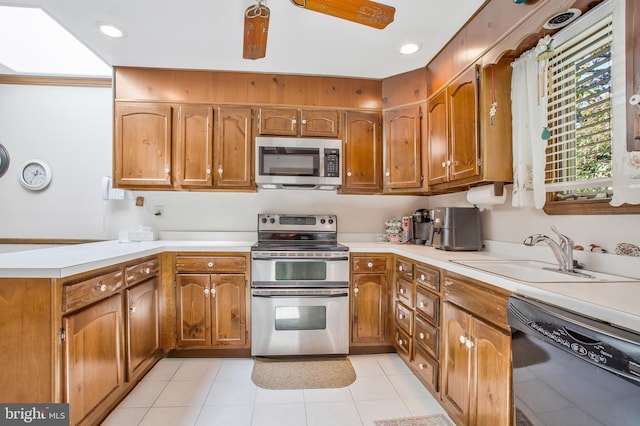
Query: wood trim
(588, 207)
(45, 241)
(56, 81)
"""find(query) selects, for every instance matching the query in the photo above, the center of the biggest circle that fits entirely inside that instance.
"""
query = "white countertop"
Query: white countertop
(613, 302)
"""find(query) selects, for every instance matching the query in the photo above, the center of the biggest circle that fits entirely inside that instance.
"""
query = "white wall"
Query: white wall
(71, 129)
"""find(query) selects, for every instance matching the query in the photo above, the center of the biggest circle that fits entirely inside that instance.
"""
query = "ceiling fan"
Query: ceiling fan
(256, 19)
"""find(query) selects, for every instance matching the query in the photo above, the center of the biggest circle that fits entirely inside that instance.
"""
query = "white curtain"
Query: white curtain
(528, 103)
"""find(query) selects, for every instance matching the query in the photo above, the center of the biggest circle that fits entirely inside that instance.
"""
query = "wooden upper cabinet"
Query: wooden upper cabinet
(462, 96)
(233, 156)
(298, 122)
(402, 162)
(362, 153)
(142, 154)
(194, 146)
(437, 137)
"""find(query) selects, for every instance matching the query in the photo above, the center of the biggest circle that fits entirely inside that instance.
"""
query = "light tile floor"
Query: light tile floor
(219, 391)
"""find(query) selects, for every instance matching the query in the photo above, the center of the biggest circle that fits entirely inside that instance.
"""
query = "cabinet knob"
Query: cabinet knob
(422, 277)
(208, 170)
(400, 342)
(167, 170)
(206, 291)
(101, 287)
(304, 121)
(220, 170)
(402, 291)
(147, 270)
(349, 174)
(421, 366)
(448, 162)
(213, 292)
(370, 265)
(444, 164)
(421, 304)
(448, 282)
(356, 290)
(400, 316)
(132, 309)
(294, 121)
(210, 264)
(387, 174)
(400, 268)
(422, 336)
(463, 339)
(469, 344)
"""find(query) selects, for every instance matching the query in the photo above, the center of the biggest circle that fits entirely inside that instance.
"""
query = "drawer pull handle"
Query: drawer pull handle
(210, 264)
(370, 264)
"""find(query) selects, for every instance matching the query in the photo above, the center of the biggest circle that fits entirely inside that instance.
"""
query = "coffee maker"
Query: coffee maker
(421, 227)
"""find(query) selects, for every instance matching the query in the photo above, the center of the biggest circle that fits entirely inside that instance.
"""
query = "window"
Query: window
(579, 115)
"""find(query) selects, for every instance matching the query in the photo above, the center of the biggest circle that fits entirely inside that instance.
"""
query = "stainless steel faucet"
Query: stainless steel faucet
(563, 251)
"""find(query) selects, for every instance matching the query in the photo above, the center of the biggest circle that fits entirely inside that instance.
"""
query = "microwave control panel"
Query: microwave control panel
(332, 163)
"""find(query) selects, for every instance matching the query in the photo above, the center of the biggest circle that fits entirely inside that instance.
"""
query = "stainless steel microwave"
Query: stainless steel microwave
(298, 163)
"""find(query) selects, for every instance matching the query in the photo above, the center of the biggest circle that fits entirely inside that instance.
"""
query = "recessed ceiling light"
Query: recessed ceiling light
(410, 48)
(111, 30)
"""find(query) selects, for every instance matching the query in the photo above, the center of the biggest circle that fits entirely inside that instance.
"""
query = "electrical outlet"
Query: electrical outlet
(158, 211)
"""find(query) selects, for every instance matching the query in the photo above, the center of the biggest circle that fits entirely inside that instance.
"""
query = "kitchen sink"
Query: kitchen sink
(539, 272)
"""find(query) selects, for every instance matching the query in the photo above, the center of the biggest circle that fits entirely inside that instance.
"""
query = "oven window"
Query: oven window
(301, 317)
(281, 161)
(315, 271)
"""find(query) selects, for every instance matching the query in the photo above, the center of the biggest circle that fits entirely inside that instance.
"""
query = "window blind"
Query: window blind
(578, 152)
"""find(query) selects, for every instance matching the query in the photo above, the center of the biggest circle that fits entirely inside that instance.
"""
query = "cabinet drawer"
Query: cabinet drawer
(426, 335)
(484, 301)
(404, 317)
(85, 292)
(368, 264)
(402, 342)
(206, 264)
(426, 368)
(141, 271)
(428, 277)
(404, 269)
(404, 291)
(427, 304)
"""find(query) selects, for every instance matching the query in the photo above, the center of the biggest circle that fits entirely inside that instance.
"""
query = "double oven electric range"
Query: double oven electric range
(299, 287)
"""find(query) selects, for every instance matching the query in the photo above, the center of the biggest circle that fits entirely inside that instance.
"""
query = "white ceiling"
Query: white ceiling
(208, 34)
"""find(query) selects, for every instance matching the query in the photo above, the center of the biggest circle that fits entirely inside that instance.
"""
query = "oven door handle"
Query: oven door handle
(271, 257)
(298, 293)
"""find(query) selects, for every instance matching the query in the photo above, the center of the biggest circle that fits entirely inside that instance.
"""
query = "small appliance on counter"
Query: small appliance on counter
(456, 229)
(421, 224)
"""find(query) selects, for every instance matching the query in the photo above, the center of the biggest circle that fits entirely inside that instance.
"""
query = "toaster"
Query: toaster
(456, 229)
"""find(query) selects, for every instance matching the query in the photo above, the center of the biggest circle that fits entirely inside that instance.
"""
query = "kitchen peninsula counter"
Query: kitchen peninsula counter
(614, 302)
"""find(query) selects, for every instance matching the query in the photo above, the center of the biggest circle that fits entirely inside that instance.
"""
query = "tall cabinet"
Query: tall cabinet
(362, 152)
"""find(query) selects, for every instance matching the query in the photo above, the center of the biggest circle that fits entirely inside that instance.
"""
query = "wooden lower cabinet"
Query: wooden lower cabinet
(369, 300)
(94, 359)
(143, 326)
(476, 382)
(211, 307)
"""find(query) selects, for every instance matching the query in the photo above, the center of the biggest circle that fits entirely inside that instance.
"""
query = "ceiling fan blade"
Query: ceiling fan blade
(256, 28)
(363, 12)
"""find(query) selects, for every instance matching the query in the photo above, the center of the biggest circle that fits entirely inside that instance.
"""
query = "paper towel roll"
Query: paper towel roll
(485, 195)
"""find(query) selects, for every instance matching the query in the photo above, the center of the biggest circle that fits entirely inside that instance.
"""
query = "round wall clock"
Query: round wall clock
(4, 159)
(35, 175)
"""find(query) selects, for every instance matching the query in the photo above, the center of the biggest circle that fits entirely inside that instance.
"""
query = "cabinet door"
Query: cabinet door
(463, 124)
(492, 352)
(322, 123)
(194, 146)
(142, 145)
(228, 310)
(402, 148)
(194, 310)
(457, 374)
(93, 357)
(233, 159)
(278, 122)
(143, 325)
(362, 153)
(368, 308)
(438, 138)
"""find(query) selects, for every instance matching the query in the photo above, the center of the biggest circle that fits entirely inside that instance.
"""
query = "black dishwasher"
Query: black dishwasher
(572, 370)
